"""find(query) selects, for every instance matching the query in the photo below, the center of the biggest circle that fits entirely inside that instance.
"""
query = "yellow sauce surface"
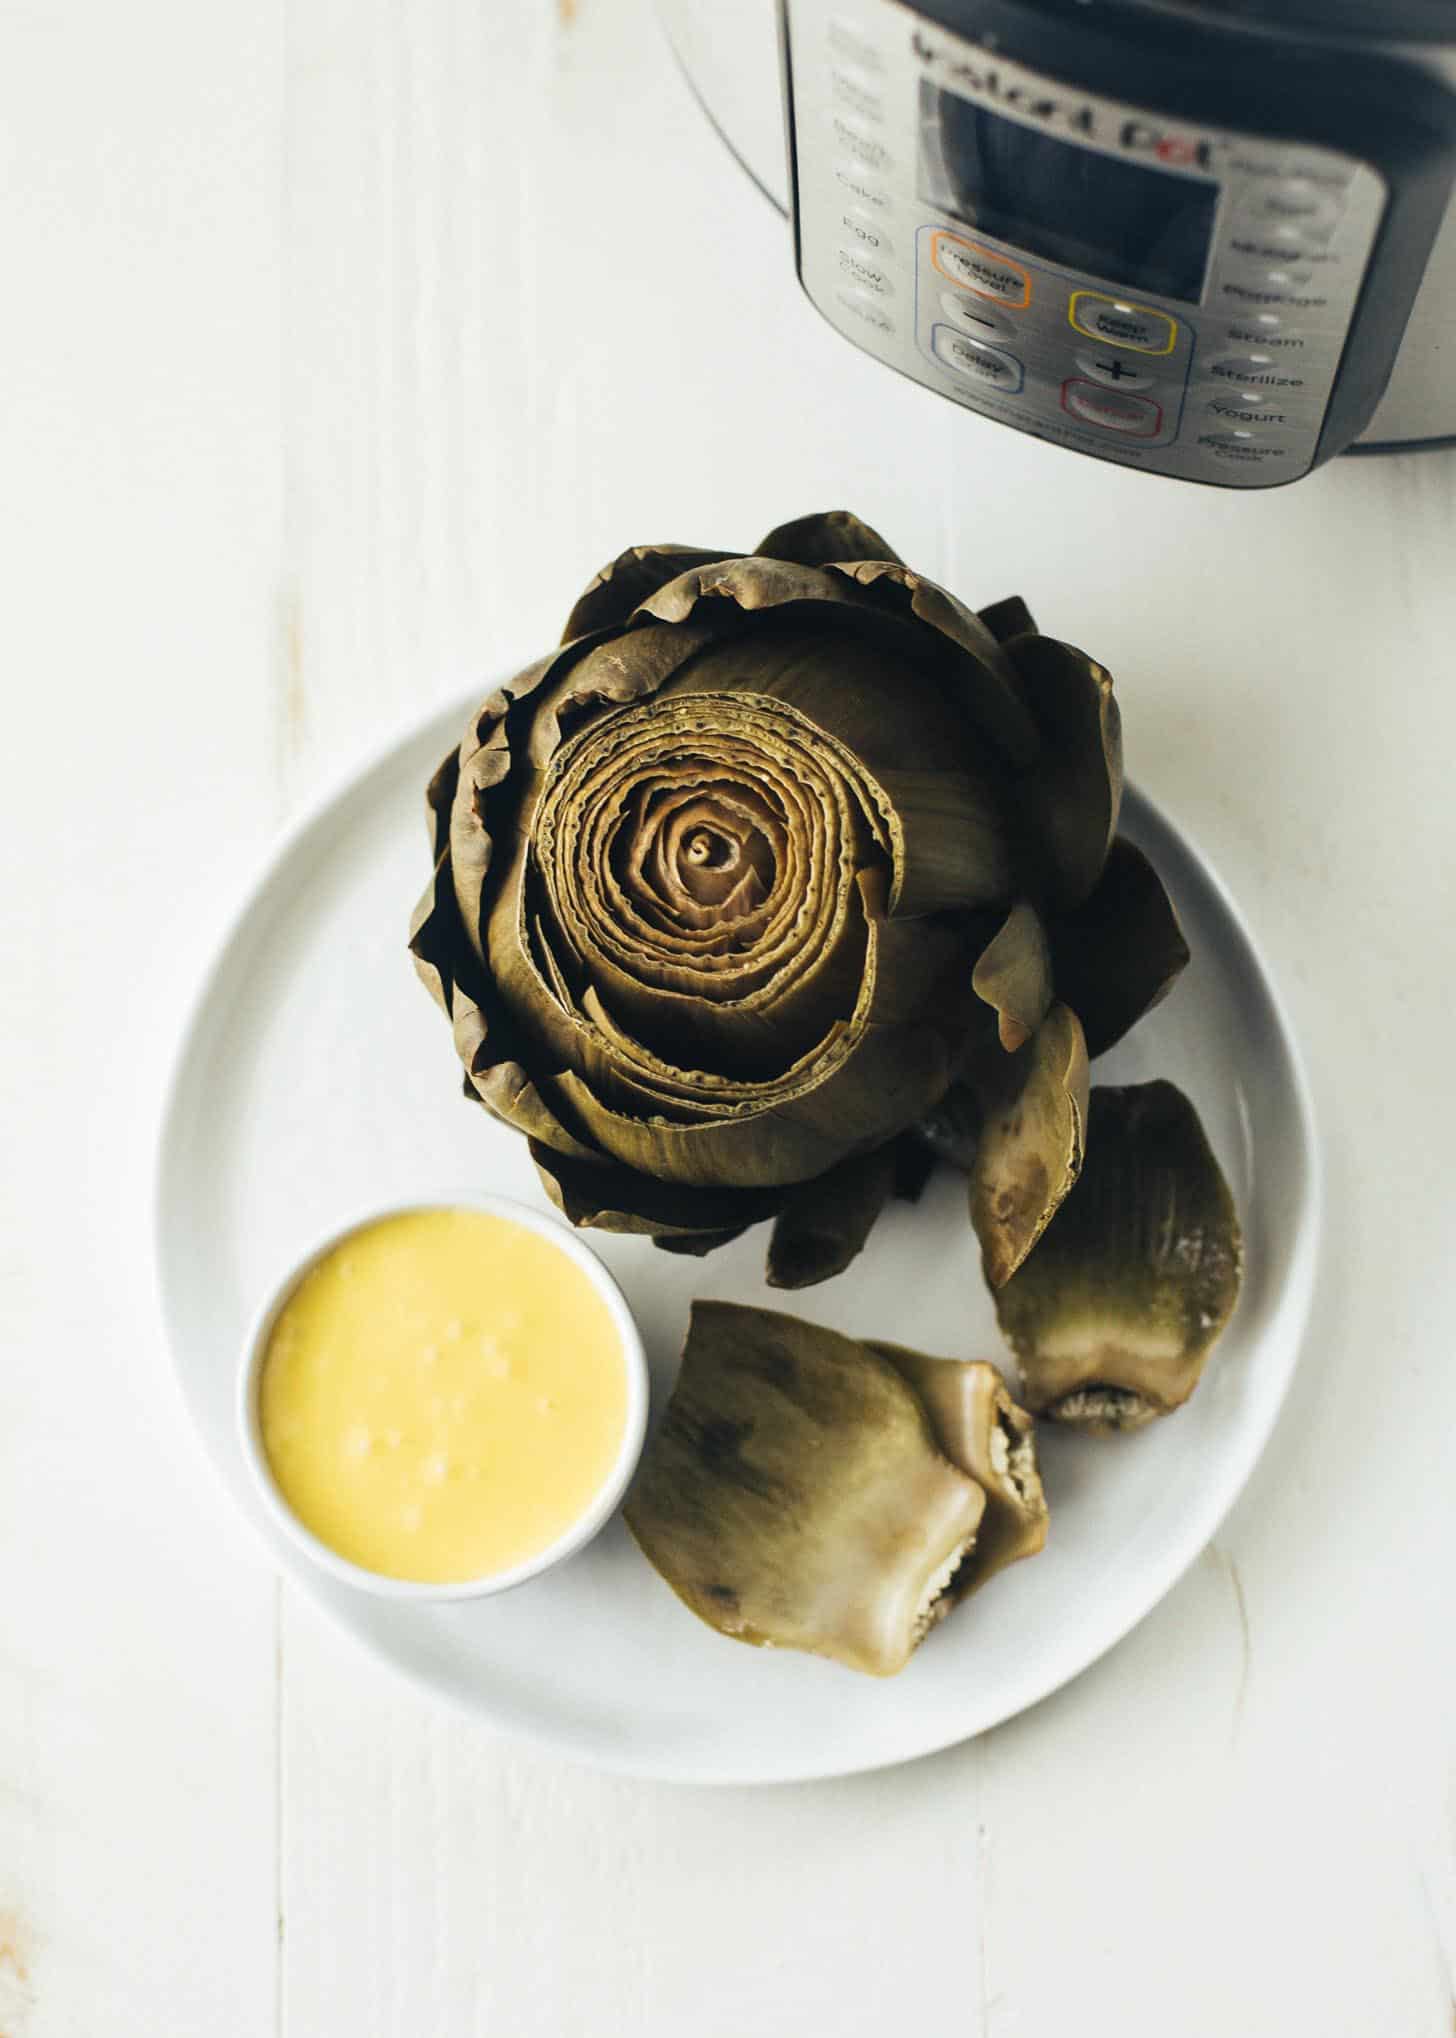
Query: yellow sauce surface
(443, 1395)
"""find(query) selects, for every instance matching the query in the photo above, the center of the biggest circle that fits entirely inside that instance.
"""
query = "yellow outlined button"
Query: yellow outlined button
(1119, 324)
(980, 270)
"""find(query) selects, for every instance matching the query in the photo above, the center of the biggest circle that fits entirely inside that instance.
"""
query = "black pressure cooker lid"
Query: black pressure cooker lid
(1374, 20)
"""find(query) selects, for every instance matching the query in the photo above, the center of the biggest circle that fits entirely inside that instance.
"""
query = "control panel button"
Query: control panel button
(858, 98)
(864, 230)
(846, 42)
(867, 150)
(865, 273)
(859, 188)
(1243, 452)
(992, 366)
(868, 312)
(1294, 202)
(975, 316)
(1256, 371)
(1118, 371)
(1265, 329)
(980, 269)
(1120, 324)
(1283, 277)
(1280, 247)
(1249, 420)
(1134, 417)
(1255, 297)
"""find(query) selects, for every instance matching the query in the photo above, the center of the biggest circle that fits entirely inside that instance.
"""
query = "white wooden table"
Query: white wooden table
(342, 339)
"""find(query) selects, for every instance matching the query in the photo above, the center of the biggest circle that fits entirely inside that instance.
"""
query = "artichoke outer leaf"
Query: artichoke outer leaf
(824, 539)
(1113, 1316)
(951, 1129)
(981, 1430)
(1121, 951)
(599, 1195)
(1031, 1145)
(1069, 803)
(983, 682)
(915, 1160)
(794, 1495)
(752, 585)
(1014, 976)
(696, 1244)
(1008, 618)
(435, 938)
(493, 1077)
(626, 581)
(826, 1221)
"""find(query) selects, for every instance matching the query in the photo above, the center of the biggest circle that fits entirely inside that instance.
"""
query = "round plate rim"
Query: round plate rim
(1292, 1308)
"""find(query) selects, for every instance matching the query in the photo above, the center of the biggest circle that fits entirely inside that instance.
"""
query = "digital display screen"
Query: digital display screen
(1115, 219)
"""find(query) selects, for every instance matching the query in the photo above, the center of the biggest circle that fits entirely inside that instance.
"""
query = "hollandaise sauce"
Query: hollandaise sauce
(443, 1395)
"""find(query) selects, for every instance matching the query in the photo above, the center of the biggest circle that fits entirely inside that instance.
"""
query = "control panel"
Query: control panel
(1159, 294)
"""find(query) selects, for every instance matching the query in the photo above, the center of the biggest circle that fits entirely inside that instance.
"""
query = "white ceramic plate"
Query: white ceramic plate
(316, 1075)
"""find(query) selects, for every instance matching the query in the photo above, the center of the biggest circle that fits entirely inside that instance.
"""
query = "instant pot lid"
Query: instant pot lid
(730, 55)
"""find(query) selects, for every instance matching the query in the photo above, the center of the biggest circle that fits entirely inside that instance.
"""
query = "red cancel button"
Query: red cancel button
(1112, 410)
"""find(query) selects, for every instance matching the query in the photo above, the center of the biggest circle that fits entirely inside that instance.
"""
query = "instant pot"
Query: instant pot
(1210, 238)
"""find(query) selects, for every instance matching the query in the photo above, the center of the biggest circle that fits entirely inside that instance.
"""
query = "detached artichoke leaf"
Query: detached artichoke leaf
(824, 540)
(626, 581)
(1032, 1142)
(1069, 803)
(1009, 618)
(1014, 976)
(826, 1221)
(794, 1495)
(987, 1436)
(1114, 1314)
(1121, 951)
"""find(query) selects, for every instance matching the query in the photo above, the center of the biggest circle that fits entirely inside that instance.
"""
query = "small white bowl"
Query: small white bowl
(605, 1502)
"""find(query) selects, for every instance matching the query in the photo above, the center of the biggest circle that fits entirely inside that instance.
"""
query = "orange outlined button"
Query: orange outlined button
(981, 270)
(1119, 324)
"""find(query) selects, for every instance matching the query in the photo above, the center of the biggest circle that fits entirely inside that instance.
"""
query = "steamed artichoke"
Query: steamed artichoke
(985, 1435)
(811, 1491)
(1113, 1316)
(731, 888)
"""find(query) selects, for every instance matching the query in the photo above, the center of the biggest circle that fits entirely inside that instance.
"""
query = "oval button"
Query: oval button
(975, 316)
(1279, 247)
(1256, 371)
(1263, 329)
(867, 150)
(865, 274)
(1133, 417)
(1245, 419)
(852, 179)
(1121, 324)
(1293, 202)
(981, 270)
(868, 311)
(1113, 370)
(991, 366)
(863, 230)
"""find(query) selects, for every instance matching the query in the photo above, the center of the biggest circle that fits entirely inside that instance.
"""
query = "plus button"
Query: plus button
(1115, 370)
